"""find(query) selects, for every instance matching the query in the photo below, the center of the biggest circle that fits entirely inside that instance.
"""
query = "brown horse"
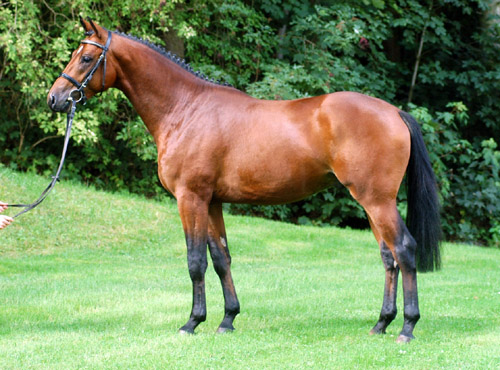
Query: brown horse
(217, 144)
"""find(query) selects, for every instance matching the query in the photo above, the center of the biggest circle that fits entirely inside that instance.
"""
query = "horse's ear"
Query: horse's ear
(86, 26)
(93, 27)
(82, 22)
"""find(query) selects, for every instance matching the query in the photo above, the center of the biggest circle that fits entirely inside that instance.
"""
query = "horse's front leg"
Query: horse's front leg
(193, 210)
(217, 243)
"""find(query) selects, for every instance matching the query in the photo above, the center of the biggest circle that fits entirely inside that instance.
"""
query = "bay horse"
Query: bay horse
(217, 144)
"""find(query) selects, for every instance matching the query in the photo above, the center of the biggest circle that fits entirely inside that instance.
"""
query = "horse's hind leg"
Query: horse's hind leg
(396, 237)
(389, 308)
(221, 258)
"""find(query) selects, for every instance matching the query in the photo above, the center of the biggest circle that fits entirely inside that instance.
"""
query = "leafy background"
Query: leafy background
(273, 50)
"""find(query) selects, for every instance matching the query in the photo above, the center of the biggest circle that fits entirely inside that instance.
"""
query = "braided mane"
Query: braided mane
(174, 58)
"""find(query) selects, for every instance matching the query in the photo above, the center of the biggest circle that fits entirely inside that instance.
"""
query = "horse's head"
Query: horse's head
(87, 73)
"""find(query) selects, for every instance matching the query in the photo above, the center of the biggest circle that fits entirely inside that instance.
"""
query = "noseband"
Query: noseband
(80, 86)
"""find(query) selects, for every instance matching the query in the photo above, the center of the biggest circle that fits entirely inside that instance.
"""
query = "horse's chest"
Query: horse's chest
(168, 170)
(177, 171)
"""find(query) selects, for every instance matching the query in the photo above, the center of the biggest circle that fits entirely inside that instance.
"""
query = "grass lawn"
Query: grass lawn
(97, 280)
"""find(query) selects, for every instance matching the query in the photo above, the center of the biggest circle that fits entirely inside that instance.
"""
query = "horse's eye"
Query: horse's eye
(86, 59)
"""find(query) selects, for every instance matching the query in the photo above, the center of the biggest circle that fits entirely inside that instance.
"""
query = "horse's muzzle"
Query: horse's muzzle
(57, 105)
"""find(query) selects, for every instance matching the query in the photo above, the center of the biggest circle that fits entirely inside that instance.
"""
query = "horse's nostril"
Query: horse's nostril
(52, 101)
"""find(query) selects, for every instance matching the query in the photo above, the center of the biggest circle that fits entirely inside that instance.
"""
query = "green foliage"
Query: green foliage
(227, 39)
(271, 49)
(461, 59)
(468, 175)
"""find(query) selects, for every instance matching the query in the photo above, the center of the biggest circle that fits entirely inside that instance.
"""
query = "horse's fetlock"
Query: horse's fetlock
(388, 315)
(412, 315)
(199, 316)
(232, 310)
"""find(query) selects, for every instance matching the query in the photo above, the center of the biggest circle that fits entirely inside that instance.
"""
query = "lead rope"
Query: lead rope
(55, 178)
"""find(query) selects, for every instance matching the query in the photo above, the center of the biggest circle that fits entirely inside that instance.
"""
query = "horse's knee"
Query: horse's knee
(220, 257)
(197, 265)
(221, 266)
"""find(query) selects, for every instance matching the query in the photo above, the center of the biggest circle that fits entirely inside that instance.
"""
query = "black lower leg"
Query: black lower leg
(412, 313)
(389, 308)
(222, 264)
(197, 264)
(406, 256)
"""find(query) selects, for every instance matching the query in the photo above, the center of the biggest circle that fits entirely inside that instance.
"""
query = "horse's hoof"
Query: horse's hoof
(223, 330)
(404, 339)
(183, 331)
(378, 329)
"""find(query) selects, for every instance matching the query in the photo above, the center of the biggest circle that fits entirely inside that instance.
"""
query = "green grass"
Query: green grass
(96, 280)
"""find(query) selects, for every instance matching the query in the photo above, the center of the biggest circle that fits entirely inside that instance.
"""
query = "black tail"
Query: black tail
(423, 219)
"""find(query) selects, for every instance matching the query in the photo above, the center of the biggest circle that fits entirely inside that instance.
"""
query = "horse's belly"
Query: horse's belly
(262, 187)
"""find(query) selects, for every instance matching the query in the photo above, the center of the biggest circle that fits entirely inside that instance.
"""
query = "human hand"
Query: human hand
(5, 221)
(3, 206)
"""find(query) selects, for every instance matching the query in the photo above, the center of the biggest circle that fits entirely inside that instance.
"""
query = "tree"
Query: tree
(274, 50)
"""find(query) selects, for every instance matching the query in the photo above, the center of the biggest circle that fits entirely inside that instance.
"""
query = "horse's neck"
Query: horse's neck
(161, 91)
